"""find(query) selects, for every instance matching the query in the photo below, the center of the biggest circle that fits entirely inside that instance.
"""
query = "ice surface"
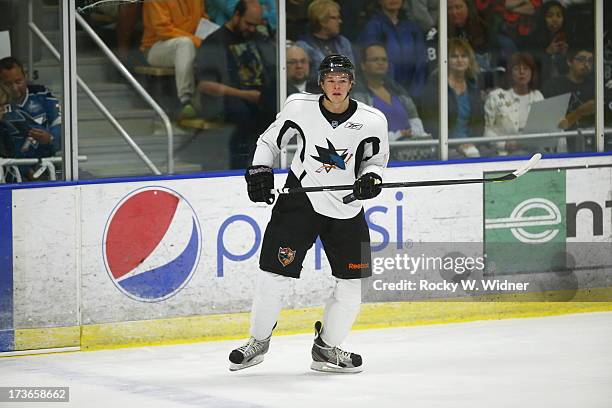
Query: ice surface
(563, 361)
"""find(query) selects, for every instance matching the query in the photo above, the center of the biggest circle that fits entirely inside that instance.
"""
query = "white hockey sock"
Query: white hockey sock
(341, 309)
(267, 303)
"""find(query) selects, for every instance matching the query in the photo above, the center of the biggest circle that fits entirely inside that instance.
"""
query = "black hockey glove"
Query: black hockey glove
(260, 180)
(365, 187)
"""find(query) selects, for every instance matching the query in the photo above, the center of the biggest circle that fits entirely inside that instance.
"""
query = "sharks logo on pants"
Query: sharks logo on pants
(286, 255)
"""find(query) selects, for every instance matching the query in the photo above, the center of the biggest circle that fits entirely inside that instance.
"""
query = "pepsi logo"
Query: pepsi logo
(152, 244)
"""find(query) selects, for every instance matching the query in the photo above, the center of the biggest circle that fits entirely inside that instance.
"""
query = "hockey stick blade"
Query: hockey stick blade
(528, 166)
(533, 161)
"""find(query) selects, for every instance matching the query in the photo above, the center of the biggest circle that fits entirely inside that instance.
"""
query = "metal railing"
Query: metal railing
(47, 164)
(478, 140)
(139, 88)
(96, 101)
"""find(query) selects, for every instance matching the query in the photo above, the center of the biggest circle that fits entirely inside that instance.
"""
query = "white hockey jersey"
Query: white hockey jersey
(327, 155)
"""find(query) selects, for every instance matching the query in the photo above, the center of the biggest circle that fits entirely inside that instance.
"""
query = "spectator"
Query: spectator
(297, 20)
(580, 16)
(424, 12)
(20, 133)
(378, 90)
(6, 97)
(324, 38)
(464, 22)
(129, 27)
(549, 39)
(235, 69)
(220, 11)
(514, 18)
(506, 110)
(354, 16)
(119, 25)
(403, 41)
(298, 72)
(39, 106)
(465, 108)
(431, 34)
(492, 50)
(579, 82)
(169, 40)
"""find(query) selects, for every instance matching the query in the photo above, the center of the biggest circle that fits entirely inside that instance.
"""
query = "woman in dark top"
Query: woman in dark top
(492, 49)
(465, 106)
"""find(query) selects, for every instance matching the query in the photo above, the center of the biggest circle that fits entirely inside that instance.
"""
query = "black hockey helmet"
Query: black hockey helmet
(336, 63)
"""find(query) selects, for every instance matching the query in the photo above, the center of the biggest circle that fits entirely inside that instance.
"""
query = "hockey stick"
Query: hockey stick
(350, 198)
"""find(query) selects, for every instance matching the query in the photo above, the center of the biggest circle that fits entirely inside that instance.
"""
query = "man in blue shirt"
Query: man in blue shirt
(31, 123)
(36, 104)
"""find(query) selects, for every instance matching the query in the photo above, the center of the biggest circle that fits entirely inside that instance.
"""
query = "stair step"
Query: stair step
(84, 43)
(114, 95)
(91, 68)
(119, 115)
(110, 156)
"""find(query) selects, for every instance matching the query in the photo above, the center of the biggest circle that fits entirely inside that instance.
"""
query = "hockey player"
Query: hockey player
(339, 141)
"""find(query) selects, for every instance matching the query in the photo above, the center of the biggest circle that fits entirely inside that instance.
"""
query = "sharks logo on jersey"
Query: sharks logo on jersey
(332, 158)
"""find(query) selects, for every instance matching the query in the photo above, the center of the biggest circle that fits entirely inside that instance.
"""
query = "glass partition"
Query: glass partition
(520, 78)
(31, 85)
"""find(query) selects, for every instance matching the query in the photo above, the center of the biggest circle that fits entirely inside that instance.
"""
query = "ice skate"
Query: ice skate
(252, 353)
(332, 359)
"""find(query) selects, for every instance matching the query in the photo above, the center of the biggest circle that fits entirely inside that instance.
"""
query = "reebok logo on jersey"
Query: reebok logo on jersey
(331, 157)
(355, 126)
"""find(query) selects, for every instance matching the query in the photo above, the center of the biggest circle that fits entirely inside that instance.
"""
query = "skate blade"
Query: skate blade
(256, 360)
(331, 368)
